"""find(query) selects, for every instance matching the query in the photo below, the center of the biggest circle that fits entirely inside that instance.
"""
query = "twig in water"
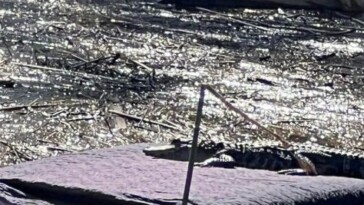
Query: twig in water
(59, 149)
(81, 119)
(72, 54)
(356, 20)
(171, 123)
(87, 75)
(145, 113)
(149, 70)
(15, 151)
(144, 120)
(19, 107)
(113, 57)
(232, 19)
(7, 46)
(246, 117)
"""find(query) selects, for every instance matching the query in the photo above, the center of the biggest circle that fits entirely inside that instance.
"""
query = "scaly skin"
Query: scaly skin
(298, 159)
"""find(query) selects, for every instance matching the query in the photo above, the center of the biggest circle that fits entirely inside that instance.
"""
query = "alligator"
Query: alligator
(297, 159)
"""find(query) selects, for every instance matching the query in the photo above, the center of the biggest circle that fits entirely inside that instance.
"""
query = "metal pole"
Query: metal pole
(194, 146)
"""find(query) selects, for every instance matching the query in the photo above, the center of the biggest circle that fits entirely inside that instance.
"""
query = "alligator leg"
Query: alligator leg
(299, 172)
(222, 160)
(306, 166)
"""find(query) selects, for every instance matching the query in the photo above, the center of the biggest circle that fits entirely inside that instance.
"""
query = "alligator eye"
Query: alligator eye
(220, 145)
(176, 142)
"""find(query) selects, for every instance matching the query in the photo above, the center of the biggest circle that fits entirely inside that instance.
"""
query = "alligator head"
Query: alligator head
(179, 149)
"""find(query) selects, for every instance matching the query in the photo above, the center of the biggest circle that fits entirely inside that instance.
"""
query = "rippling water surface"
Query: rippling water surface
(65, 64)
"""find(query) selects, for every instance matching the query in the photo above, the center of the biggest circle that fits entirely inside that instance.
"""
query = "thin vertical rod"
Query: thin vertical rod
(194, 146)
